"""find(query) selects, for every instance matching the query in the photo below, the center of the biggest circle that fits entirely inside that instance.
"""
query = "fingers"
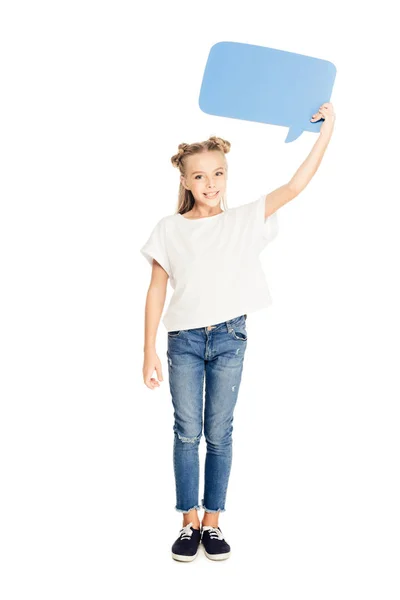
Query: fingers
(151, 383)
(324, 111)
(159, 374)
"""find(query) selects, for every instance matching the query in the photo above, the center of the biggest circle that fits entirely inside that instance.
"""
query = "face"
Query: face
(206, 173)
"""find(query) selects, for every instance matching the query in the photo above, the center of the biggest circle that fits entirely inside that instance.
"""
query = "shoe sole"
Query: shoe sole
(183, 557)
(217, 556)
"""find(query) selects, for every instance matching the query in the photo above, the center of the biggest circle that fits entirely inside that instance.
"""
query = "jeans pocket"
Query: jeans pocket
(238, 328)
(174, 333)
(239, 335)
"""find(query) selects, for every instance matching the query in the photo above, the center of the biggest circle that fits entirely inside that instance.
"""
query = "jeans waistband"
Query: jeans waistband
(222, 324)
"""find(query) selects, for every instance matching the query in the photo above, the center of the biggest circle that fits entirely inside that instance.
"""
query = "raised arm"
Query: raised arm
(308, 168)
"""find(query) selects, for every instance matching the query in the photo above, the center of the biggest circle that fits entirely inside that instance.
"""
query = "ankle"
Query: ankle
(209, 523)
(193, 518)
(194, 525)
(210, 519)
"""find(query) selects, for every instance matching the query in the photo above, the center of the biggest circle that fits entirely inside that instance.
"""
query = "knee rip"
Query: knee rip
(189, 440)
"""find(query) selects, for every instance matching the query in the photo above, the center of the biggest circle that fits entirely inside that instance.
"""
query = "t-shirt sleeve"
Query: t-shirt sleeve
(156, 247)
(265, 229)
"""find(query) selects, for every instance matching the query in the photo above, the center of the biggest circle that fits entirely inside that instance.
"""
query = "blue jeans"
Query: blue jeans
(215, 355)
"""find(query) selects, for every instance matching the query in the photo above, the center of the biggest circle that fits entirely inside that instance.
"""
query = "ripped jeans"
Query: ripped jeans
(215, 355)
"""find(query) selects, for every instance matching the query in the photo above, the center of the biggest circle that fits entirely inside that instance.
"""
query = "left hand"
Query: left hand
(327, 113)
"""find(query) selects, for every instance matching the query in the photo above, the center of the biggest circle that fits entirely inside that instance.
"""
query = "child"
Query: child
(211, 257)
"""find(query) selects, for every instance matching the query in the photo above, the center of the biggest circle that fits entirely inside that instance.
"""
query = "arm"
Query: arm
(155, 301)
(300, 179)
(154, 306)
(307, 170)
(278, 198)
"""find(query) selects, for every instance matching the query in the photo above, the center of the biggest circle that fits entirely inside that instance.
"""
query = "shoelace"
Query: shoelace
(214, 532)
(186, 532)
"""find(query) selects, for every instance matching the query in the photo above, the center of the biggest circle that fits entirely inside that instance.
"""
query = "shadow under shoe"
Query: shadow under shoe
(186, 546)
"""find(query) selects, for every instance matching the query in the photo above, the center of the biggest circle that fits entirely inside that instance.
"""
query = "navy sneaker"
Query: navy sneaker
(186, 547)
(215, 546)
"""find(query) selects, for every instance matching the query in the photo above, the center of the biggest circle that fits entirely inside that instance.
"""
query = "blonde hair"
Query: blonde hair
(185, 197)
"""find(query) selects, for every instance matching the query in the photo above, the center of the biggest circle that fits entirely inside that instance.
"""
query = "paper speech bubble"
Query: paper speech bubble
(255, 83)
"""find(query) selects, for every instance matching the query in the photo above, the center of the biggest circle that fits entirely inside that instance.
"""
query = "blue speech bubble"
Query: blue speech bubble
(255, 83)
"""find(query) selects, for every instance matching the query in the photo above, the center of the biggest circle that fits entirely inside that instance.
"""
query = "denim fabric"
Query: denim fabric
(215, 358)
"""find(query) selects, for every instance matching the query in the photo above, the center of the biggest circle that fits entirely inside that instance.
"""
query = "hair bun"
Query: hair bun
(213, 143)
(176, 159)
(221, 144)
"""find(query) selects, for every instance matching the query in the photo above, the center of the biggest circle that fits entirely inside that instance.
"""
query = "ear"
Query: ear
(183, 182)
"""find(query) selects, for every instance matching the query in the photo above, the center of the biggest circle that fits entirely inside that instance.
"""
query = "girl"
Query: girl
(211, 257)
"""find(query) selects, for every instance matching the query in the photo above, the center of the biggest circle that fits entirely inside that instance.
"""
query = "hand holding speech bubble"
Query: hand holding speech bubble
(255, 83)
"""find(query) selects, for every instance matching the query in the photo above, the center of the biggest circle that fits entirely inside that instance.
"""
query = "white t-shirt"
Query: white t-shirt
(213, 264)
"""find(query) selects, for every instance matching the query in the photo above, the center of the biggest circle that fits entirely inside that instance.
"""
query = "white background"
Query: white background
(95, 98)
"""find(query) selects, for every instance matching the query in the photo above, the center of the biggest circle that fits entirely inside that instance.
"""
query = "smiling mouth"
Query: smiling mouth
(212, 195)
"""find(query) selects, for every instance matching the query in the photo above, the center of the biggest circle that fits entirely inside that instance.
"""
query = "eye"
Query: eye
(216, 173)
